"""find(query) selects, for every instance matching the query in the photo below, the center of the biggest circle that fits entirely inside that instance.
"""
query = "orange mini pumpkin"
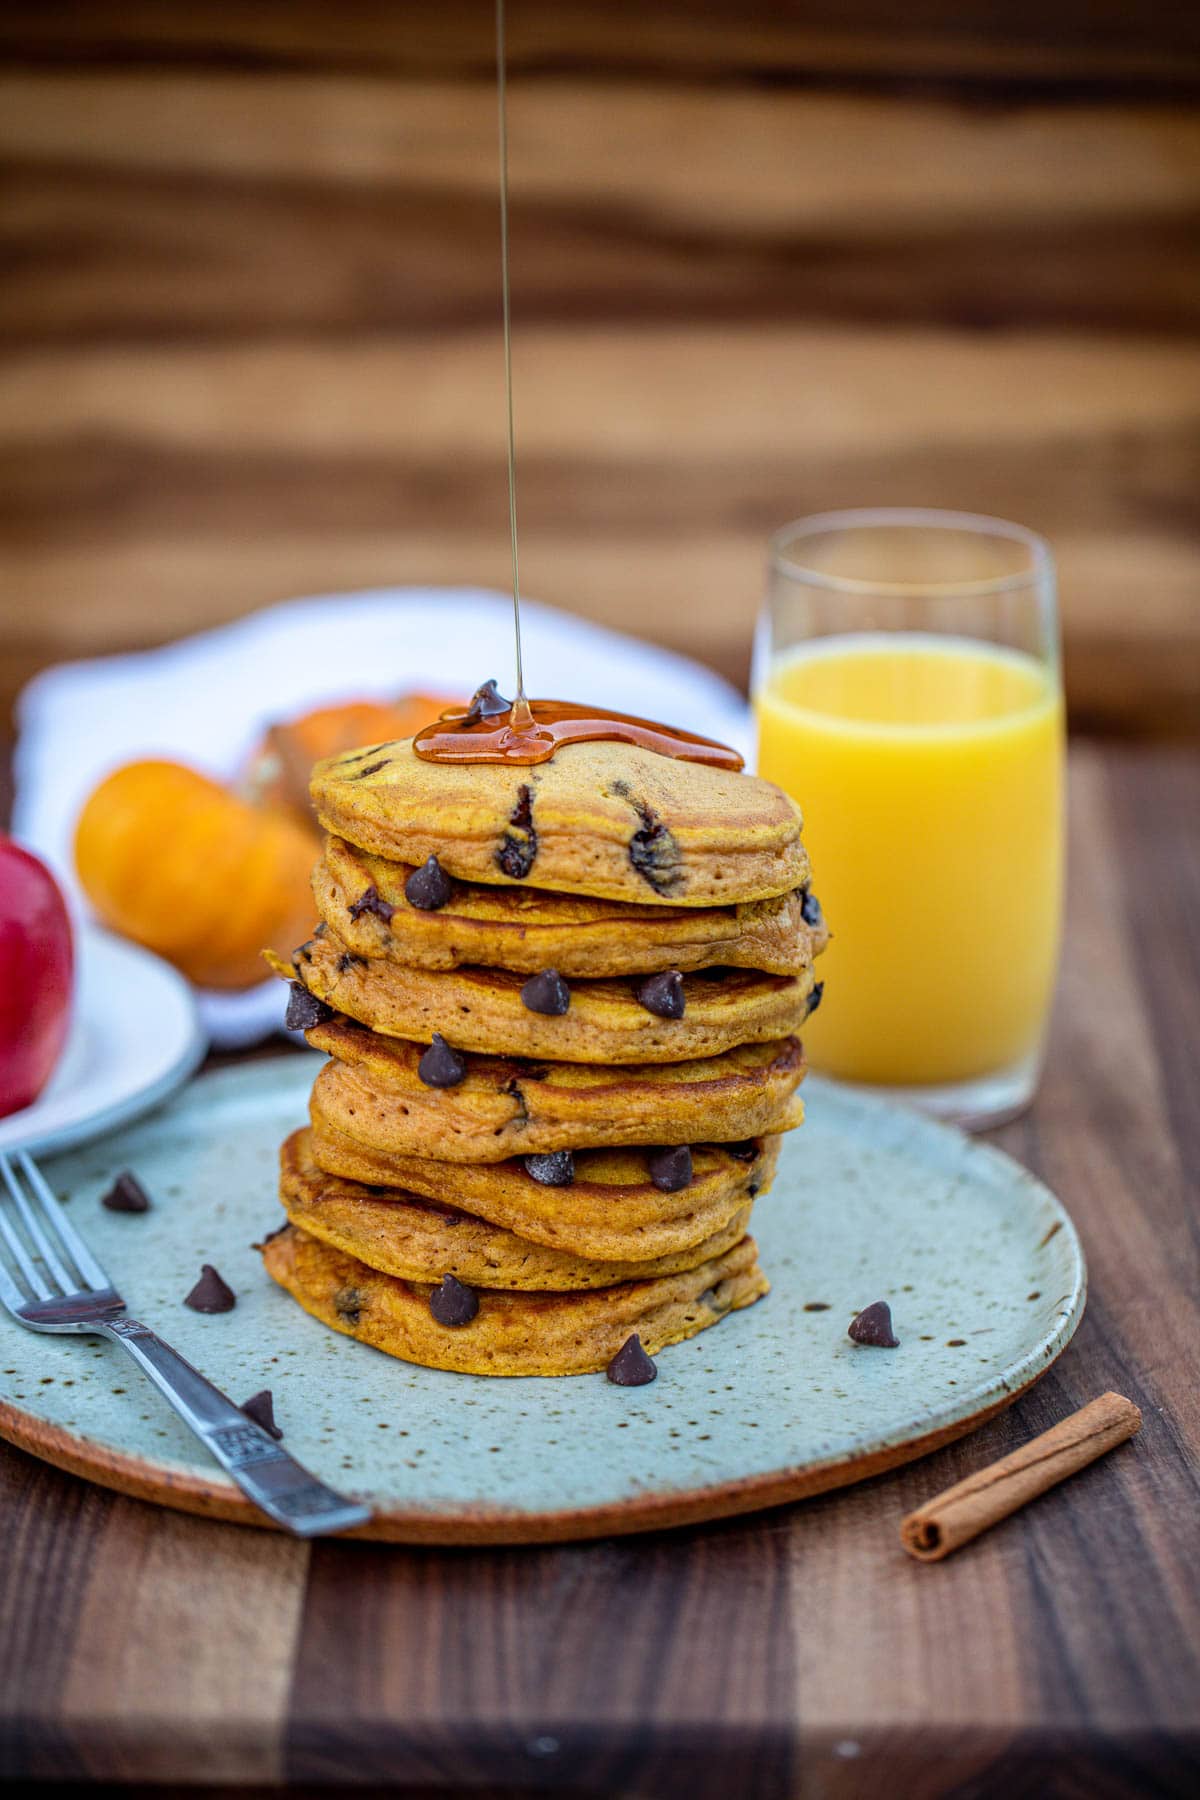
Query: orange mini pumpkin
(175, 862)
(278, 771)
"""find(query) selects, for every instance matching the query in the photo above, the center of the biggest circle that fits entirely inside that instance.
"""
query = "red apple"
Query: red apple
(36, 961)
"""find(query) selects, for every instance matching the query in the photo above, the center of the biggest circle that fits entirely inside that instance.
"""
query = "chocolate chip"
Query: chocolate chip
(371, 750)
(486, 703)
(546, 993)
(304, 1010)
(816, 995)
(670, 1169)
(514, 1091)
(441, 1067)
(662, 994)
(873, 1325)
(715, 1301)
(631, 1367)
(348, 959)
(743, 1152)
(261, 1408)
(556, 1168)
(372, 902)
(453, 1303)
(653, 851)
(429, 887)
(810, 908)
(211, 1294)
(348, 1303)
(519, 845)
(370, 769)
(126, 1194)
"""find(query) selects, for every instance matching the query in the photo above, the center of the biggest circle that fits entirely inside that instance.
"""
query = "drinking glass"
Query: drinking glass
(908, 689)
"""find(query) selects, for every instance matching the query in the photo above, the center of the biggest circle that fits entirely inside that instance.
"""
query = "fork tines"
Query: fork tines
(52, 1258)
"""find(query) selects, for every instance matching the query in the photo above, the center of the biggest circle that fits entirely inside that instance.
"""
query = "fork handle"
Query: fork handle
(266, 1474)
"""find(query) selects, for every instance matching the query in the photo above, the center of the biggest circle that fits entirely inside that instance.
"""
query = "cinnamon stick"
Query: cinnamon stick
(961, 1512)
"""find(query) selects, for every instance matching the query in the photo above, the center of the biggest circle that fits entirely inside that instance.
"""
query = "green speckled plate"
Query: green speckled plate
(980, 1262)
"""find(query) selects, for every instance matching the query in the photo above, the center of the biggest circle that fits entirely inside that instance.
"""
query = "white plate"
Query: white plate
(980, 1262)
(440, 640)
(134, 1038)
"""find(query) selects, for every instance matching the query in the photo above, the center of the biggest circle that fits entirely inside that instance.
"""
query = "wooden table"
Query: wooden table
(797, 1653)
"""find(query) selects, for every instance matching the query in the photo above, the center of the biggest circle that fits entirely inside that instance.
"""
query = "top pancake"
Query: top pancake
(602, 819)
(361, 897)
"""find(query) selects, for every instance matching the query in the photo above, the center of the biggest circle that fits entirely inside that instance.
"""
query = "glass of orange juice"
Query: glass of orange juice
(908, 691)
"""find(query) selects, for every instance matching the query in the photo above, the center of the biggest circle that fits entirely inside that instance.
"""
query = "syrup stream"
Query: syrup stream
(531, 732)
(520, 718)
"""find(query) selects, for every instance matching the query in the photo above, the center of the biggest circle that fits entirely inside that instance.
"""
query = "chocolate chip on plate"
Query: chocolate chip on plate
(662, 994)
(211, 1294)
(554, 1168)
(815, 996)
(546, 993)
(453, 1303)
(873, 1325)
(126, 1194)
(429, 887)
(487, 702)
(441, 1067)
(670, 1169)
(631, 1367)
(260, 1408)
(810, 908)
(304, 1010)
(372, 901)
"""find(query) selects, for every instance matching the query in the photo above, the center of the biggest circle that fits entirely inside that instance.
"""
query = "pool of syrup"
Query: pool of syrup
(531, 731)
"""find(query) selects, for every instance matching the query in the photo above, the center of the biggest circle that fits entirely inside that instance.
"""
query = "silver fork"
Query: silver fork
(62, 1288)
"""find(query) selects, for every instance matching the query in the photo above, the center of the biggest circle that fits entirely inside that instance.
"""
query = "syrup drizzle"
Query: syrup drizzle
(473, 735)
(491, 730)
(521, 718)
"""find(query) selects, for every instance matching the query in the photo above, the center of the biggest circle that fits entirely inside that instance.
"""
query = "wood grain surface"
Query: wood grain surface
(766, 260)
(795, 1654)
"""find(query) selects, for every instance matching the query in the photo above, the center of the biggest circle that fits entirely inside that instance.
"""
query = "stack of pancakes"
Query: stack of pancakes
(560, 1004)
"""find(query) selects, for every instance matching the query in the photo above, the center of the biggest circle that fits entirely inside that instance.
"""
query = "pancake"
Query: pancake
(505, 1107)
(512, 1333)
(401, 1234)
(603, 819)
(528, 929)
(611, 1210)
(482, 1009)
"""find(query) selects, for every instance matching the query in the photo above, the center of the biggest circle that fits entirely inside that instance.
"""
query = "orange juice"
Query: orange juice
(929, 771)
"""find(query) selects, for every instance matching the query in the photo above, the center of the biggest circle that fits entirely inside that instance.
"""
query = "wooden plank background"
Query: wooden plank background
(767, 259)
